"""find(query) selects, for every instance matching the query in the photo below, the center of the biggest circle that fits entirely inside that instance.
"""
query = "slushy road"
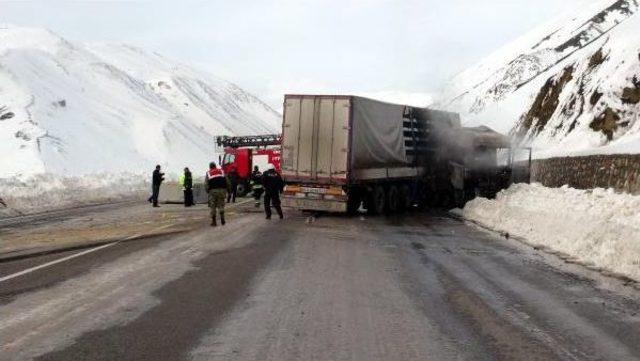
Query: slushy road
(412, 287)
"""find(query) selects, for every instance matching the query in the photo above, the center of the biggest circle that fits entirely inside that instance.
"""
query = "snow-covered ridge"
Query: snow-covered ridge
(78, 109)
(567, 87)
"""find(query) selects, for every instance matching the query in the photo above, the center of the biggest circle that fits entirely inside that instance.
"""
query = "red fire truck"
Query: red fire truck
(245, 152)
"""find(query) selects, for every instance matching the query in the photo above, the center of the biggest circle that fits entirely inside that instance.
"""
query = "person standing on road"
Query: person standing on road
(273, 186)
(256, 185)
(216, 186)
(156, 180)
(232, 184)
(187, 186)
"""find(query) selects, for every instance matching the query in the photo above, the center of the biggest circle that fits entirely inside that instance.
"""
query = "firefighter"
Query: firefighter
(256, 185)
(273, 186)
(232, 184)
(187, 186)
(156, 180)
(216, 186)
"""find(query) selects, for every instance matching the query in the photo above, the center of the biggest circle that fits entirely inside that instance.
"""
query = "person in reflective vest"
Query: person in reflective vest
(186, 180)
(216, 186)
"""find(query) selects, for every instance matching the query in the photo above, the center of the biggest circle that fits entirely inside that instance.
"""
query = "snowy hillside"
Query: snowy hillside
(570, 87)
(75, 109)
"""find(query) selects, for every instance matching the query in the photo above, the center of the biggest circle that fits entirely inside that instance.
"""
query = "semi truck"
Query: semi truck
(341, 152)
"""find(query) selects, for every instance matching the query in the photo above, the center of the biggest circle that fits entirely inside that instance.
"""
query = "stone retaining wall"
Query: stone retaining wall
(619, 171)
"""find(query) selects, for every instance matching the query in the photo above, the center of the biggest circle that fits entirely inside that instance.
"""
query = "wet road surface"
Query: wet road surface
(416, 287)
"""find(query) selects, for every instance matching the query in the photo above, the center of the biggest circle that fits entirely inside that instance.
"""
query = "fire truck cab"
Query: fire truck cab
(242, 153)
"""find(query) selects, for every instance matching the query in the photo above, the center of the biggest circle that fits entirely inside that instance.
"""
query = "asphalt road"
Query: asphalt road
(416, 287)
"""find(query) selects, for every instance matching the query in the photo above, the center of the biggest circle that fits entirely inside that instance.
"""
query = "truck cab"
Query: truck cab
(242, 153)
(482, 162)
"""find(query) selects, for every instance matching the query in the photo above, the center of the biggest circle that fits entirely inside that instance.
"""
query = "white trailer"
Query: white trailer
(339, 151)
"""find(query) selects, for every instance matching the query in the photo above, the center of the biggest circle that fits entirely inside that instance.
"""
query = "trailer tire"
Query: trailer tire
(242, 190)
(459, 198)
(425, 198)
(405, 197)
(393, 200)
(353, 203)
(447, 199)
(376, 200)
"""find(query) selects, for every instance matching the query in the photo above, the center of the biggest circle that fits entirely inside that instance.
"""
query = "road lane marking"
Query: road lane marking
(64, 259)
(48, 264)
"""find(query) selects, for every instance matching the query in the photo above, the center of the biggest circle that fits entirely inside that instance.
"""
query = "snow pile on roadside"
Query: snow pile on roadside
(45, 192)
(597, 227)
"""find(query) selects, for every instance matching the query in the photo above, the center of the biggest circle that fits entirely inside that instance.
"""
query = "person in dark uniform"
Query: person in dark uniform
(273, 186)
(156, 180)
(187, 185)
(256, 185)
(232, 184)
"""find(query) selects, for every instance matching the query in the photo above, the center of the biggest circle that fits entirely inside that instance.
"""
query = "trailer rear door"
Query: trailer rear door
(315, 139)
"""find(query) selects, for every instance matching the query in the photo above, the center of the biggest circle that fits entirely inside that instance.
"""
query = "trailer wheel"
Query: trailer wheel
(405, 197)
(393, 200)
(447, 199)
(459, 198)
(353, 203)
(243, 189)
(425, 198)
(376, 201)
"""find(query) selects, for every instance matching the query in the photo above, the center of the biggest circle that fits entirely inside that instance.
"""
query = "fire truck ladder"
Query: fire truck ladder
(249, 141)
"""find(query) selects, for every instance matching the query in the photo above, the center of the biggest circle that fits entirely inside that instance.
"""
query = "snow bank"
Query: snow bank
(597, 227)
(46, 192)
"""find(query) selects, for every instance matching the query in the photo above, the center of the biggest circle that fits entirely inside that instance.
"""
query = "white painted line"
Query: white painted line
(48, 264)
(152, 233)
(18, 274)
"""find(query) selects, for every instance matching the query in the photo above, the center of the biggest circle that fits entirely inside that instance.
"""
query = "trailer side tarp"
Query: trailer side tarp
(377, 135)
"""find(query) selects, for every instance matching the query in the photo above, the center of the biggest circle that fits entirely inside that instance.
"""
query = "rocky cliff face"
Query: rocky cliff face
(569, 87)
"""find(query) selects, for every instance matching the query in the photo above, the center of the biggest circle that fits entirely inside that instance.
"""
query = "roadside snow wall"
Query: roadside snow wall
(45, 192)
(598, 227)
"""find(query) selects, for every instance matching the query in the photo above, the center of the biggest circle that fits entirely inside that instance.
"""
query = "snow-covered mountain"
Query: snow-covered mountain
(570, 87)
(75, 109)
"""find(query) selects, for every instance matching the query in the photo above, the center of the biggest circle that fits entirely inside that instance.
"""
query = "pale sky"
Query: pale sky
(386, 48)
